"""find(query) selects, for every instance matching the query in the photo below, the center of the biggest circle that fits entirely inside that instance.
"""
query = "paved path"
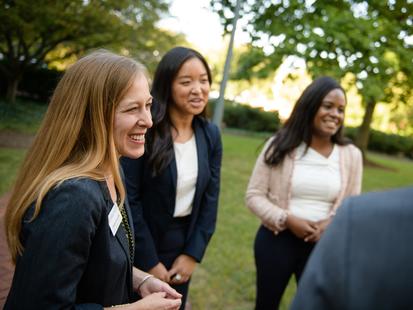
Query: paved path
(6, 267)
(9, 139)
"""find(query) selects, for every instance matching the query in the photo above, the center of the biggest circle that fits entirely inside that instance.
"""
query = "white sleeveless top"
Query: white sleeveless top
(315, 183)
(187, 172)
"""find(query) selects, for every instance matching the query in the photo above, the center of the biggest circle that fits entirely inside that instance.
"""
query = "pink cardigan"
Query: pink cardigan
(269, 189)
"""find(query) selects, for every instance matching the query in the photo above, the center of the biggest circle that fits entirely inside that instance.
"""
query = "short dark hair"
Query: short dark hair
(299, 126)
(159, 138)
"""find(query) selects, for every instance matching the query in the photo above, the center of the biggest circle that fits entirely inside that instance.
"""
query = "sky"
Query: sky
(199, 23)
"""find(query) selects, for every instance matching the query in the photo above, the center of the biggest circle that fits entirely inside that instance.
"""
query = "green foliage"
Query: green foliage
(23, 116)
(254, 119)
(386, 143)
(32, 31)
(37, 83)
(368, 39)
(242, 116)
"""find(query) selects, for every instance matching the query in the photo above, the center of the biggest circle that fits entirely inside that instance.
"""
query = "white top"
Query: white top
(186, 158)
(315, 183)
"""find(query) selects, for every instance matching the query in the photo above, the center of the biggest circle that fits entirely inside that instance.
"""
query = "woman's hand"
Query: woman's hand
(145, 284)
(321, 227)
(300, 227)
(160, 272)
(154, 285)
(156, 301)
(182, 269)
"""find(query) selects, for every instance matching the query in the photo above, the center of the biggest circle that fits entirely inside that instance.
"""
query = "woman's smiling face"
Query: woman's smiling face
(330, 115)
(133, 118)
(190, 88)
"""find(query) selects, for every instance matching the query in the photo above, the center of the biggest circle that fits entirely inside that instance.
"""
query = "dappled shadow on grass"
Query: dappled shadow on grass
(374, 164)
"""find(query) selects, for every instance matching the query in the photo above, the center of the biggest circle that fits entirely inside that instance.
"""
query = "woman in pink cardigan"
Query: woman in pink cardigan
(300, 178)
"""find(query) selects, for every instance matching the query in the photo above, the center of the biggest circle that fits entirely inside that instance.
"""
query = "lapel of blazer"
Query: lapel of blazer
(173, 171)
(123, 240)
(203, 162)
(121, 233)
(173, 181)
(203, 165)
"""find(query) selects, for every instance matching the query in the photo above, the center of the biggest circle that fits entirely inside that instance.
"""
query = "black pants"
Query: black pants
(171, 246)
(277, 258)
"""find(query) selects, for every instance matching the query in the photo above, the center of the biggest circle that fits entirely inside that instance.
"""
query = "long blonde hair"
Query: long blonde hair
(76, 135)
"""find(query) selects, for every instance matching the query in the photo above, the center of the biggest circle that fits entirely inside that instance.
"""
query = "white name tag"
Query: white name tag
(115, 218)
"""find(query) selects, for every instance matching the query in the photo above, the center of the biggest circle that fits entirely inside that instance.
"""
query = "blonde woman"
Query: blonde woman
(68, 223)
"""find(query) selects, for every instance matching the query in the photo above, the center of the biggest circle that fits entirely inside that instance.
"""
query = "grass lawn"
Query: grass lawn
(10, 160)
(226, 277)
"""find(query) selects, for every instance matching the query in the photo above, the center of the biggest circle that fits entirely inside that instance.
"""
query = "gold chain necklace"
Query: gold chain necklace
(126, 226)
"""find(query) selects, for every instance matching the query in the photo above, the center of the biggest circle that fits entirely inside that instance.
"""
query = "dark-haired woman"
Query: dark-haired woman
(173, 189)
(300, 178)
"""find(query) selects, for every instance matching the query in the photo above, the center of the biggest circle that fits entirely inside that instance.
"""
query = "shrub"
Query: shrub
(385, 143)
(36, 83)
(246, 117)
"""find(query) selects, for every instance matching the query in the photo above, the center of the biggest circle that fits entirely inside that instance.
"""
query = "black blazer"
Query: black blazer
(152, 199)
(71, 258)
(364, 259)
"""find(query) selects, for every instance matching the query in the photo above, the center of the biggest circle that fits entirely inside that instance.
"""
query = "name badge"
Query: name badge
(115, 218)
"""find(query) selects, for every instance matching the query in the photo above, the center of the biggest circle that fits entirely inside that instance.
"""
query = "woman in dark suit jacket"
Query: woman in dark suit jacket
(174, 188)
(68, 224)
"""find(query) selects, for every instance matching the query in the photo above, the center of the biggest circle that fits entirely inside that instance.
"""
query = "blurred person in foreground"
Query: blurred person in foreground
(364, 260)
(173, 189)
(68, 222)
(300, 178)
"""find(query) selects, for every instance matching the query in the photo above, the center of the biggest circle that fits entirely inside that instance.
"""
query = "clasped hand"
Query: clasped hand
(156, 294)
(307, 230)
(183, 266)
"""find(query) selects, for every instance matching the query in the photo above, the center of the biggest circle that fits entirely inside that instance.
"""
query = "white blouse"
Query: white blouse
(186, 158)
(315, 183)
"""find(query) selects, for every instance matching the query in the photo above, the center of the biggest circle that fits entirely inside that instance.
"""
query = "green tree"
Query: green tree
(34, 33)
(371, 40)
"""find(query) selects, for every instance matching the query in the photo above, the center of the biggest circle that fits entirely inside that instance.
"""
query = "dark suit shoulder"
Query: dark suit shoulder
(373, 201)
(213, 129)
(80, 199)
(80, 189)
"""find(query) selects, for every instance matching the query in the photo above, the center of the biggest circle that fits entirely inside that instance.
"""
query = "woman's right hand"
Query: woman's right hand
(300, 227)
(160, 272)
(157, 301)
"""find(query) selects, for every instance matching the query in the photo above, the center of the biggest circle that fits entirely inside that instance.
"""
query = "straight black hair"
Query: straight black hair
(299, 126)
(159, 138)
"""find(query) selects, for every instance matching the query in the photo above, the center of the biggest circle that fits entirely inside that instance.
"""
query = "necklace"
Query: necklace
(126, 226)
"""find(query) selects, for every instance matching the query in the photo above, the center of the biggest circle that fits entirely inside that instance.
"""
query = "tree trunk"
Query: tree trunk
(362, 138)
(13, 82)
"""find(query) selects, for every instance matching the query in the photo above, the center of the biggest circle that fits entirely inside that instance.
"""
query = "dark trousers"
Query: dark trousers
(171, 246)
(277, 258)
